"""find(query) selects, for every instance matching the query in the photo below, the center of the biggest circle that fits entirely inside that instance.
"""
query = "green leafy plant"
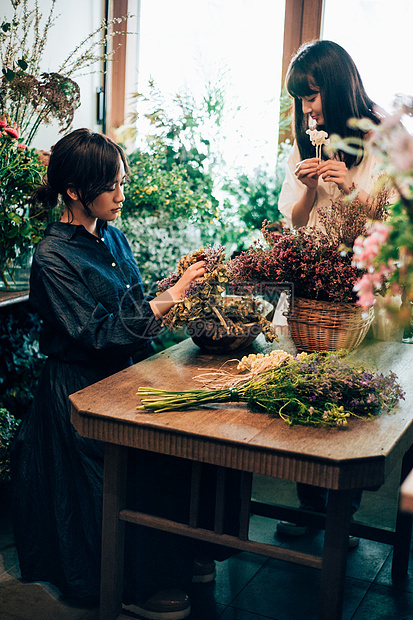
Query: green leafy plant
(162, 215)
(8, 429)
(20, 170)
(180, 154)
(156, 241)
(155, 189)
(185, 130)
(256, 194)
(21, 361)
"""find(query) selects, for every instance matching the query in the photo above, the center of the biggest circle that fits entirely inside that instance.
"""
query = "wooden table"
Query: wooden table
(230, 436)
(7, 298)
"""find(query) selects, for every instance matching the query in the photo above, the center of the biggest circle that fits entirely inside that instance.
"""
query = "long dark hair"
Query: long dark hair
(82, 161)
(326, 67)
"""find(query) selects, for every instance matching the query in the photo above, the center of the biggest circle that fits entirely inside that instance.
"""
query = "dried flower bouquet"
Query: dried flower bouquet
(204, 303)
(306, 259)
(320, 389)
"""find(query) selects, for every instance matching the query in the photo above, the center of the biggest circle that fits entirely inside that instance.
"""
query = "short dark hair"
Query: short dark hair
(83, 161)
(326, 67)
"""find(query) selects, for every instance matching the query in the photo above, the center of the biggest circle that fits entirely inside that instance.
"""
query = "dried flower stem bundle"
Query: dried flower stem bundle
(320, 389)
(306, 258)
(346, 218)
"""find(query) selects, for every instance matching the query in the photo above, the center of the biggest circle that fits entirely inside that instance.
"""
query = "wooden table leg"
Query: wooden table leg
(403, 532)
(333, 569)
(113, 532)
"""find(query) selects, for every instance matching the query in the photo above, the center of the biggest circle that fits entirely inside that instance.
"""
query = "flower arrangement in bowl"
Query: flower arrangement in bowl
(215, 321)
(323, 313)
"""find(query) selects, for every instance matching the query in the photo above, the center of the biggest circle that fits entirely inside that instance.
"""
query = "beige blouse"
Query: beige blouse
(364, 176)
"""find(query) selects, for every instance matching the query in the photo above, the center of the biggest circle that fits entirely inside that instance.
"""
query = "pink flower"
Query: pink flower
(365, 291)
(366, 249)
(3, 123)
(22, 146)
(381, 232)
(401, 151)
(365, 283)
(13, 131)
(367, 252)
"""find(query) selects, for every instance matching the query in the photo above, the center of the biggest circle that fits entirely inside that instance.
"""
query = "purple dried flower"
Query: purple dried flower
(167, 282)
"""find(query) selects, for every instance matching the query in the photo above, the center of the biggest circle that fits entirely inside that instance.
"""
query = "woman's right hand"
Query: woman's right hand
(306, 172)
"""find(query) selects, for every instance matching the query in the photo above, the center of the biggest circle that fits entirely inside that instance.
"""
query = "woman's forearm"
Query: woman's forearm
(164, 302)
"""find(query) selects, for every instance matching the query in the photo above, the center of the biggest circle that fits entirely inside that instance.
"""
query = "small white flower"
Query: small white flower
(318, 138)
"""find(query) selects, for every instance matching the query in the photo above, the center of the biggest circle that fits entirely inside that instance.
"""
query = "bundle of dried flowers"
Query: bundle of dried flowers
(307, 260)
(27, 94)
(320, 389)
(204, 301)
(347, 218)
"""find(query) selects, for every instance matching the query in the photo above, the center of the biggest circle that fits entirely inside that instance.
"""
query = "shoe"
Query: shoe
(203, 570)
(164, 605)
(293, 529)
(353, 542)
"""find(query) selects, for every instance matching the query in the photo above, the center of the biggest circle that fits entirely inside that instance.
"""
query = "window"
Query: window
(377, 34)
(183, 44)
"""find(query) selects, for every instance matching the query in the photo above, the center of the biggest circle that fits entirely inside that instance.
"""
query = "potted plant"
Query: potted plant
(20, 170)
(29, 98)
(8, 428)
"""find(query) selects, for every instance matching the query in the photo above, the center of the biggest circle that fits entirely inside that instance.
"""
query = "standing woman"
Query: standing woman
(87, 289)
(327, 92)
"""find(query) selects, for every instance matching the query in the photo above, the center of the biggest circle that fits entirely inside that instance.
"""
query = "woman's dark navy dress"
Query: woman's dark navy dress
(88, 292)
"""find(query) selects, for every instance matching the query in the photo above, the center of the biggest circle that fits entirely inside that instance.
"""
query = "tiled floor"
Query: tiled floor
(248, 587)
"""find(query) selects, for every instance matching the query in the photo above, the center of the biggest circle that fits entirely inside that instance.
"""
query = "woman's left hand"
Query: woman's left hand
(334, 171)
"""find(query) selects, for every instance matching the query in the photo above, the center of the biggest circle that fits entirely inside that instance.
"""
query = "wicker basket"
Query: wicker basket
(327, 326)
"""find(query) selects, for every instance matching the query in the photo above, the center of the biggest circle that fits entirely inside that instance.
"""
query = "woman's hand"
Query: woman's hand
(334, 171)
(193, 273)
(307, 172)
(164, 302)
